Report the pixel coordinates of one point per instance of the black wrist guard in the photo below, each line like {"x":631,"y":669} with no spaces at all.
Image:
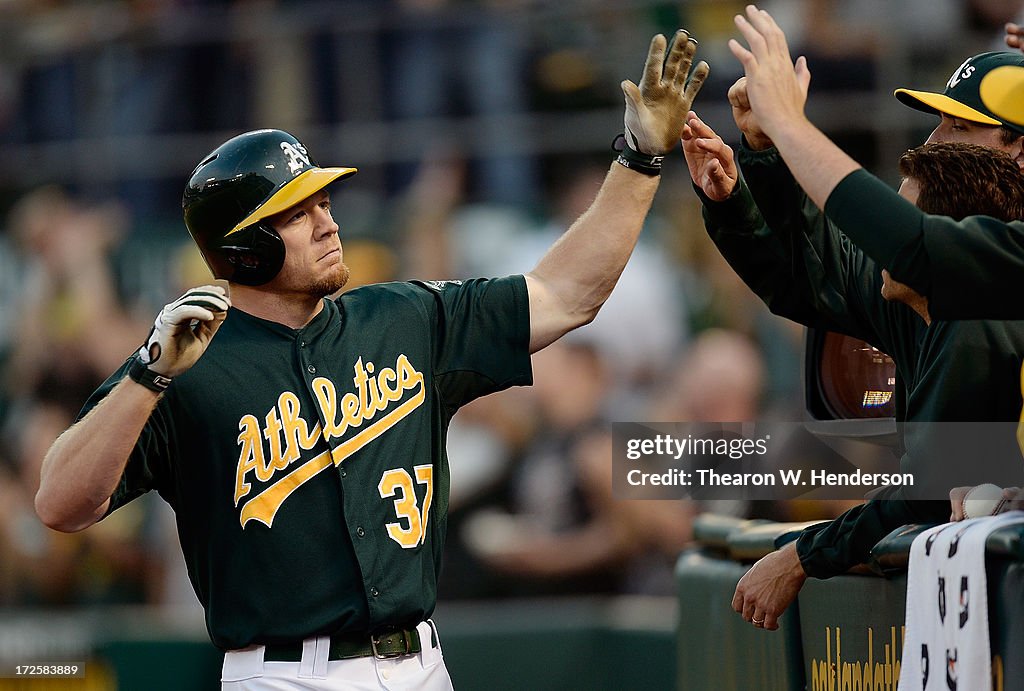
{"x":634,"y":160}
{"x":141,"y":374}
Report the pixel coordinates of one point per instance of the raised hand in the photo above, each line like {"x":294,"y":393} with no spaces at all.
{"x":183,"y":330}
{"x":1014,"y":36}
{"x":710,"y":160}
{"x":744,"y":117}
{"x":656,"y":110}
{"x":776,"y":87}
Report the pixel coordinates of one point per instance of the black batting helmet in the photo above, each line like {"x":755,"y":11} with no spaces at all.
{"x":235,"y":188}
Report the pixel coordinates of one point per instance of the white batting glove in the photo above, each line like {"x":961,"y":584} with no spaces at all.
{"x":183,"y":330}
{"x":656,"y":110}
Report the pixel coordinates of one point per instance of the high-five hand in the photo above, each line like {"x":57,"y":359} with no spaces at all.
{"x":776,"y":88}
{"x":656,"y":110}
{"x":710,"y":160}
{"x":745,"y":118}
{"x":1014,"y":36}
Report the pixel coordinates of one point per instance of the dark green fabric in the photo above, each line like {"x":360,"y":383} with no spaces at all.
{"x":325,"y":561}
{"x":805,"y":269}
{"x":969,"y":269}
{"x":868,"y":203}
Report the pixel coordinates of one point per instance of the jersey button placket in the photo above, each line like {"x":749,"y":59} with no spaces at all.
{"x":304,"y":355}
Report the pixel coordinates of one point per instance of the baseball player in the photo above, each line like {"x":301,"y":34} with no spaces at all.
{"x":806,"y":270}
{"x":301,"y":440}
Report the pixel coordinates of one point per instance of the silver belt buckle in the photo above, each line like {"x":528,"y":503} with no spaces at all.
{"x":406,"y":638}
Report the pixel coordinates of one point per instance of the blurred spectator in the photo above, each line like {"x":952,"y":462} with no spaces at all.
{"x":716,"y":298}
{"x":71,"y":328}
{"x":852,"y":28}
{"x":719,"y":379}
{"x":68,"y":328}
{"x":722,"y":378}
{"x":566,"y":532}
{"x":42,"y":567}
{"x":453,"y":58}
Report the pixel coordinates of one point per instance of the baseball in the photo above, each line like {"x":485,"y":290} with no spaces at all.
{"x":983,"y":500}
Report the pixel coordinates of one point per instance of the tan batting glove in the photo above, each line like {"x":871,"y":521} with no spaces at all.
{"x":656,"y":110}
{"x":183,"y":330}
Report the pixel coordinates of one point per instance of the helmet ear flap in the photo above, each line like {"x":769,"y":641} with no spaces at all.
{"x":255,"y":254}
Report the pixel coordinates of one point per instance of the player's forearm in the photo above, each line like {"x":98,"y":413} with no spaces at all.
{"x":575,"y":277}
{"x":815,"y":161}
{"x":765,"y":263}
{"x":83,"y":467}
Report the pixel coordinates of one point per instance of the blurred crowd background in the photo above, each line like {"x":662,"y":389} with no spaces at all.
{"x":481,"y":130}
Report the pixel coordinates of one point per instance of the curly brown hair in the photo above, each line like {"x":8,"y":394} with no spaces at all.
{"x":958,"y":180}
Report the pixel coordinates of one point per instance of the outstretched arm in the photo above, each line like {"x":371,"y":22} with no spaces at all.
{"x":757,"y":254}
{"x":83,"y":467}
{"x":782,"y":246}
{"x":934,"y":255}
{"x":777,"y":92}
{"x":572,"y":281}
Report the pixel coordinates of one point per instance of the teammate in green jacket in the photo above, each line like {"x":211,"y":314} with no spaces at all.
{"x":934,"y":255}
{"x":822,"y":280}
{"x":301,"y":440}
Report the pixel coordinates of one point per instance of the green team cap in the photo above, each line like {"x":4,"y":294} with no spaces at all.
{"x":962,"y":97}
{"x":1002,"y":90}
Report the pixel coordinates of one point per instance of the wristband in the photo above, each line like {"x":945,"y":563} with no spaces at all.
{"x":139,"y":373}
{"x":634,"y":160}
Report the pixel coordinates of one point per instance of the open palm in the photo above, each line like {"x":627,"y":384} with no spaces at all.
{"x":710,"y":160}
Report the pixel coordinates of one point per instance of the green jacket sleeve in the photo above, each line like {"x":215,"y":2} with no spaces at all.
{"x":797,"y":261}
{"x":830,"y":549}
{"x":759,"y":257}
{"x":935,"y":255}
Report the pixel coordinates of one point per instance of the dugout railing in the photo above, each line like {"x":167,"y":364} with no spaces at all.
{"x":842,"y":633}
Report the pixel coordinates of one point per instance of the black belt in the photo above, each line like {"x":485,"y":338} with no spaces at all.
{"x":348,"y":645}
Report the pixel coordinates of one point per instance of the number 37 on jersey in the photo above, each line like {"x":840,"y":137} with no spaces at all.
{"x":410,"y":530}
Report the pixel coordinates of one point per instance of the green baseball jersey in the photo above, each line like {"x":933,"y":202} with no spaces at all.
{"x":805,"y":269}
{"x":307,"y":467}
{"x":935,"y":255}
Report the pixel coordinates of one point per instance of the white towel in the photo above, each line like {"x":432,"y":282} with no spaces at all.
{"x":946,"y":644}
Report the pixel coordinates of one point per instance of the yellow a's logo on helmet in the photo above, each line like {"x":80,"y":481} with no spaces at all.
{"x":298,"y":158}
